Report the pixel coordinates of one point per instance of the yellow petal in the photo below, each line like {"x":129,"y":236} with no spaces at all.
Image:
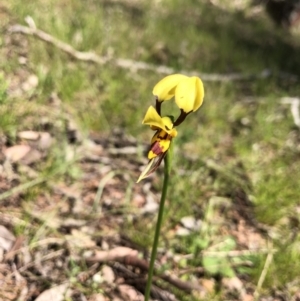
{"x":165,"y":89}
{"x":165,"y":144}
{"x":153,"y":119}
{"x":199,"y":94}
{"x":189,"y":94}
{"x":167,"y":122}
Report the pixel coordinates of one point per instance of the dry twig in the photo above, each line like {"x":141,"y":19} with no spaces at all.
{"x":49,"y":256}
{"x":264,"y":272}
{"x":127,"y":63}
{"x":144,"y":265}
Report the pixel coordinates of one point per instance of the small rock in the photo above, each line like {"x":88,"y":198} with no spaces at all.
{"x":97,"y":278}
{"x":234,"y":284}
{"x":31,"y":83}
{"x":22,"y":60}
{"x":146,"y":187}
{"x":138,"y":200}
{"x":181,"y":231}
{"x":108,"y":274}
{"x":191,"y":223}
{"x":151,"y":206}
{"x":45,"y":141}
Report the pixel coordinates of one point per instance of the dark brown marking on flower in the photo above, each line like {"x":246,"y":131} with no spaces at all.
{"x":156,"y":148}
{"x":158,"y":159}
{"x":162,"y":135}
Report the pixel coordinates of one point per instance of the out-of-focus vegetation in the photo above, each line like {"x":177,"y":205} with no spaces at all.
{"x":237,"y":160}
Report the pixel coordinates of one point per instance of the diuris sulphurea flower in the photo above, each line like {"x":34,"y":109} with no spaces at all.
{"x":188,"y":93}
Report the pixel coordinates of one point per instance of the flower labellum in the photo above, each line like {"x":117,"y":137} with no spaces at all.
{"x":156,"y":122}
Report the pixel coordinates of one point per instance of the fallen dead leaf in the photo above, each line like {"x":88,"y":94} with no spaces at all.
{"x":42,"y":140}
{"x":12,"y":285}
{"x":113,"y":254}
{"x":16,"y":246}
{"x":32,"y":156}
{"x":129,"y":293}
{"x":234,"y":284}
{"x":190,"y":223}
{"x":208,"y":284}
{"x":7,"y":239}
{"x":49,"y":216}
{"x":29,"y":135}
{"x":97,"y":297}
{"x":17,"y":152}
{"x":108,"y":274}
{"x":138,"y":200}
{"x":80,"y":239}
{"x":56,"y":293}
{"x":73,"y":223}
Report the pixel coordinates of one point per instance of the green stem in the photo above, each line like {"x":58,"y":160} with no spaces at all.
{"x":167,"y":169}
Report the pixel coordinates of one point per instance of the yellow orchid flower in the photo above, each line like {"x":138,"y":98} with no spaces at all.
{"x":189,"y":94}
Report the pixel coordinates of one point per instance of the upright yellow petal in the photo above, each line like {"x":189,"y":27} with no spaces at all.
{"x":165,"y":89}
{"x":189,"y":94}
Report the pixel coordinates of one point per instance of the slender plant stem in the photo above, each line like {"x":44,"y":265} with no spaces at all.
{"x":167,"y":169}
